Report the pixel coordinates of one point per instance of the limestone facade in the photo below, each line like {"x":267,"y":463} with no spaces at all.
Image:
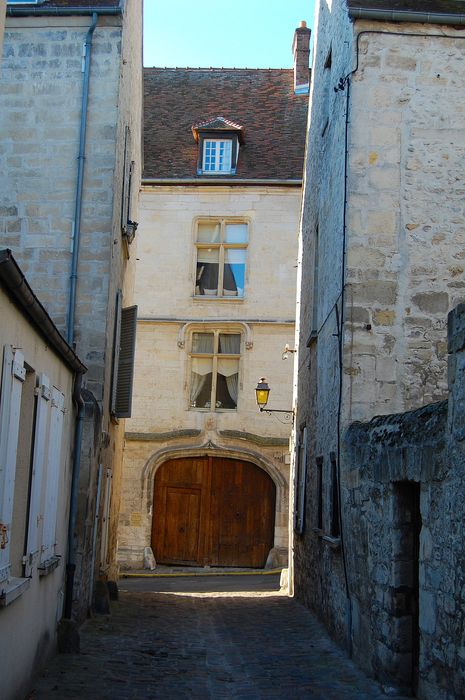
{"x":379,"y":267}
{"x":33,"y":519}
{"x":41,"y":93}
{"x":163,"y":424}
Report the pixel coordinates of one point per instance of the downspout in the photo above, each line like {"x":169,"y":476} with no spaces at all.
{"x":77,"y":396}
{"x":71,"y":558}
{"x":80,"y":180}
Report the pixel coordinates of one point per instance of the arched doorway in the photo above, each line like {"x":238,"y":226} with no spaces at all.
{"x":212,"y":511}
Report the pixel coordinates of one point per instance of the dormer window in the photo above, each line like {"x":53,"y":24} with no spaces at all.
{"x":217,"y":155}
{"x":218,"y":140}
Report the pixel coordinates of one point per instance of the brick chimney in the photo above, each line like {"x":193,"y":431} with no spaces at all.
{"x":301,"y":51}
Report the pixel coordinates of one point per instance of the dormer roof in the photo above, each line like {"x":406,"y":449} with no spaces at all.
{"x":219,"y":124}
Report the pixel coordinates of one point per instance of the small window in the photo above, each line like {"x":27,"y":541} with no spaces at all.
{"x":214,"y":378}
{"x":221,"y":258}
{"x":335,"y":525}
{"x":300,"y":480}
{"x":319,"y":493}
{"x":217,"y":155}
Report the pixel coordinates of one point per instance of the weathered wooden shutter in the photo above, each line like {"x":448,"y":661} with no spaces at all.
{"x":53,"y":475}
{"x":13,"y":376}
{"x":39,"y":457}
{"x":125,"y":366}
{"x":301,"y":479}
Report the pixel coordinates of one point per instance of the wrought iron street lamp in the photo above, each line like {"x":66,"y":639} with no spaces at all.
{"x":262,"y":393}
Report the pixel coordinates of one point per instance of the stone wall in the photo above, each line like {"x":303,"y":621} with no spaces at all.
{"x":385,"y":111}
{"x":406,"y":228}
{"x":40,"y":102}
{"x":318,"y":574}
{"x":387,"y":459}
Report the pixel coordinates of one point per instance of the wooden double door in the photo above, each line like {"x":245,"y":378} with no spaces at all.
{"x":212,"y":511}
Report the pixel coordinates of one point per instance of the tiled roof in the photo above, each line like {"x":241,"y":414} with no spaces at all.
{"x":434,"y":6}
{"x":262,"y":101}
{"x":58,"y":4}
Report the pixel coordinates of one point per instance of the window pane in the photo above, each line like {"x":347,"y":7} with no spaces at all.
{"x":207,"y":271}
{"x":236,"y":233}
{"x":230,"y":344}
{"x":202,"y":343}
{"x":227,"y":383}
{"x":234,"y":272}
{"x":201,"y":388}
{"x":208,"y":232}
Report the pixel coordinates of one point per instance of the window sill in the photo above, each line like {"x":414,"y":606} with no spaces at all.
{"x":333,"y":542}
{"x":209,"y":410}
{"x":207,"y":297}
{"x":48,"y":566}
{"x":12,"y":590}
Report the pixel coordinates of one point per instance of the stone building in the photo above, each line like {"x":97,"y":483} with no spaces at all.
{"x":206,"y":475}
{"x":381,"y":263}
{"x":39,"y":372}
{"x":70,"y":100}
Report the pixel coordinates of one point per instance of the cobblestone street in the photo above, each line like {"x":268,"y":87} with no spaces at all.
{"x":257,"y":645}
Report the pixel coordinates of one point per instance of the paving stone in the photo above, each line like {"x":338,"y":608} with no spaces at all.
{"x":248,"y":646}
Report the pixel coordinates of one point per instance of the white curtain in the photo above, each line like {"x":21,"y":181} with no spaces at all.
{"x":230,"y":344}
{"x":201,"y":366}
{"x":232,"y":382}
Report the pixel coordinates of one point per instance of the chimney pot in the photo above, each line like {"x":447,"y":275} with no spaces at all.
{"x":301,"y":51}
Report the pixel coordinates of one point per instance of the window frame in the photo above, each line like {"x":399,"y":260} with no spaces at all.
{"x":220,"y":135}
{"x":222,"y":247}
{"x":216,"y":332}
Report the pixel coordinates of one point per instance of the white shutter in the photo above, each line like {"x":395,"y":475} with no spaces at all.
{"x":39,"y":455}
{"x":53,"y":475}
{"x":13,"y":376}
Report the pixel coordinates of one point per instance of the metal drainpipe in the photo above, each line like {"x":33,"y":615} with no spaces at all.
{"x":77,"y":396}
{"x":80,"y":180}
{"x":71,"y":559}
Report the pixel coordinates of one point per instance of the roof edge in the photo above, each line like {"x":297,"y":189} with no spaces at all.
{"x":220,"y":181}
{"x":12,"y":11}
{"x":407,"y":16}
{"x":22,"y":295}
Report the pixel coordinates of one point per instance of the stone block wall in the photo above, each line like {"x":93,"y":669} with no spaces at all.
{"x":401,"y":222}
{"x":402,"y":591}
{"x":40,"y":102}
{"x":405,"y":222}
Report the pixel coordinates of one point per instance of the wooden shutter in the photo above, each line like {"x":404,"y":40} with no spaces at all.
{"x":53,"y":475}
{"x":125,"y":366}
{"x":13,"y":376}
{"x":301,"y":479}
{"x":36,"y":504}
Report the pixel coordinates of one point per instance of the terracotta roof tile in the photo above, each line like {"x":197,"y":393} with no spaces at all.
{"x":433,"y":6}
{"x":261,"y":100}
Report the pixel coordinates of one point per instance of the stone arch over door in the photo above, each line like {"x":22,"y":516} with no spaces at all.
{"x":212,"y":509}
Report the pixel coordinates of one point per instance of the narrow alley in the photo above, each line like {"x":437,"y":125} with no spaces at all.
{"x":225,"y":643}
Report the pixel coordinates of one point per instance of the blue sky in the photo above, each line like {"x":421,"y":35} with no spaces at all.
{"x":218,"y":33}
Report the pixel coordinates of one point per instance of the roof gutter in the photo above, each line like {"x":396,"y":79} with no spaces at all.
{"x":219,"y":181}
{"x":62,"y":11}
{"x":407,"y":16}
{"x":16,"y":284}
